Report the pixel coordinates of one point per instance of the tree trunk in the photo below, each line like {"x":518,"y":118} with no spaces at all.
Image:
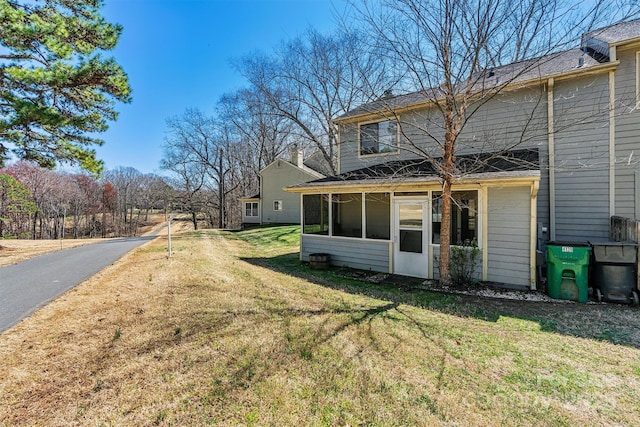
{"x":447,"y":172}
{"x":194,"y":219}
{"x":35,"y":222}
{"x":221,"y":193}
{"x":445,"y":234}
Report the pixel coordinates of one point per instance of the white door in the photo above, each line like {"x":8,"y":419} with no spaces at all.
{"x":410,"y":248}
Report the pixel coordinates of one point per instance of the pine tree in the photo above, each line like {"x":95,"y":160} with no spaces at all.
{"x":56,"y":88}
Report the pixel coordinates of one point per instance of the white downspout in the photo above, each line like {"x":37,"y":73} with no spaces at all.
{"x":533,"y":235}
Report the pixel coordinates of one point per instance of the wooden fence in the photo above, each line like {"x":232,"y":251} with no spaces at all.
{"x":624,"y":229}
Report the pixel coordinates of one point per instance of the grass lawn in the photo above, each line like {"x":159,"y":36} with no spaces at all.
{"x":233,"y":330}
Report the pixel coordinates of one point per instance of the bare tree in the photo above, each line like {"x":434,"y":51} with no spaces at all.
{"x":446,"y":51}
{"x":313,"y":79}
{"x":207,"y":144}
{"x":127,"y":182}
{"x":188,"y":178}
{"x":257,"y":124}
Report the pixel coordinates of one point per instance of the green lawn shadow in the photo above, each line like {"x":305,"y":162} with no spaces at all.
{"x":599,"y":322}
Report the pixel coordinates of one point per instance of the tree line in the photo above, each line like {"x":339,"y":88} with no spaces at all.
{"x":39,"y":203}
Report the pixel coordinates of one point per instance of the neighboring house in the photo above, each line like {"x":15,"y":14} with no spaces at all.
{"x":273,"y":205}
{"x":573,"y":125}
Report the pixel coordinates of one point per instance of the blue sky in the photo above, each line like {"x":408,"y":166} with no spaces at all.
{"x":177,"y":54}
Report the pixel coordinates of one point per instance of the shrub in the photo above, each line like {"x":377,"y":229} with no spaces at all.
{"x":464,"y":261}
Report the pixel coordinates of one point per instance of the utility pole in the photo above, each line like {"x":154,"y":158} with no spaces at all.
{"x":221,"y":192}
{"x":169,"y":233}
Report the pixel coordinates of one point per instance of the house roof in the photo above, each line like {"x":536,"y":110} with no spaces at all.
{"x":517,"y":72}
{"x":256,"y":197}
{"x":516,"y":163}
{"x":616,"y":33}
{"x":593,"y":53}
{"x":314,"y":173}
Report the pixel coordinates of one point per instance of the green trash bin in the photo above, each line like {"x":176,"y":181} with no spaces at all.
{"x":568,"y":270}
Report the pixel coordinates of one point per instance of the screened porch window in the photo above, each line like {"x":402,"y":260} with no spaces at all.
{"x":347,"y":215}
{"x":316,"y":214}
{"x":378,"y":213}
{"x":464,"y":217}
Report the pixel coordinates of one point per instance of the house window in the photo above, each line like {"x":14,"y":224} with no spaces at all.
{"x":379,"y":137}
{"x":315,"y":214}
{"x":378,"y":213}
{"x":277,"y":205}
{"x":464,"y":217}
{"x":251,"y":209}
{"x":347,"y":215}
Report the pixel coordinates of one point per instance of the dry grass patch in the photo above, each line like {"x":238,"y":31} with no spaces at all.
{"x":216,"y":335}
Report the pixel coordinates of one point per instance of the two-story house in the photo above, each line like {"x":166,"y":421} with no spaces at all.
{"x":552,"y":156}
{"x":273,"y":205}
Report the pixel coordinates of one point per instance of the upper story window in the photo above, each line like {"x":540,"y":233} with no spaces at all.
{"x":379,"y":137}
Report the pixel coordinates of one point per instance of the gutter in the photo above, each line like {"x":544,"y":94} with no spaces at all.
{"x":377,"y":186}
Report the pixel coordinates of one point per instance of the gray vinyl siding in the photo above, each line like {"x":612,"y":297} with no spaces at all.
{"x":521,"y":116}
{"x":275,"y":177}
{"x":355,"y":253}
{"x":627,"y":136}
{"x":514,"y":119}
{"x":582,"y":158}
{"x":508,"y":257}
{"x":517,"y":120}
{"x":511,"y":120}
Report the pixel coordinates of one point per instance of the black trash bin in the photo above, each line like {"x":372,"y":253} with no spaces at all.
{"x":614,"y":271}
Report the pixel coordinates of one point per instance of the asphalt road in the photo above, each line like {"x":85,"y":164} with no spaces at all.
{"x":31,"y":284}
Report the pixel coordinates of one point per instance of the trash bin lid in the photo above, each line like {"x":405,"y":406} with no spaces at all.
{"x":609,"y":252}
{"x":611,"y":243}
{"x":569,"y":243}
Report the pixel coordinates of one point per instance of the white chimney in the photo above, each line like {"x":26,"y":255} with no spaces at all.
{"x":297,"y":156}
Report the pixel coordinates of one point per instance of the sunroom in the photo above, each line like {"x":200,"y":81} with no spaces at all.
{"x":382,"y":220}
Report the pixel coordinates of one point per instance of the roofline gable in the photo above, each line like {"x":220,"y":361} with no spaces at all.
{"x":305,"y":169}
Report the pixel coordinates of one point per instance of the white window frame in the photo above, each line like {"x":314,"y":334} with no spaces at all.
{"x":255,"y":212}
{"x":277,"y":206}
